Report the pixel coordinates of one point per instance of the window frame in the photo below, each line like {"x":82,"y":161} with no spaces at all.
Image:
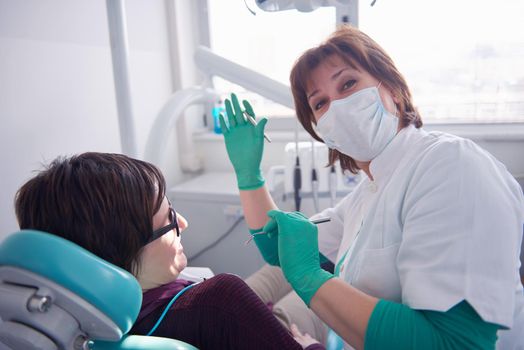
{"x":349,"y":14}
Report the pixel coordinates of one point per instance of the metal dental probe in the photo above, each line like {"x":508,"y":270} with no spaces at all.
{"x":253,"y":122}
{"x":316,"y":222}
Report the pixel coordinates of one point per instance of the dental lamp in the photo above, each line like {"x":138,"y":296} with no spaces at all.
{"x":300,"y":5}
{"x":346,"y":10}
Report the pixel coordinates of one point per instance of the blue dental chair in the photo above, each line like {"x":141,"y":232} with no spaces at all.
{"x":56,"y":295}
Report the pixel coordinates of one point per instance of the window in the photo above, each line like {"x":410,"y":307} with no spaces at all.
{"x":463,"y":60}
{"x":267,"y":42}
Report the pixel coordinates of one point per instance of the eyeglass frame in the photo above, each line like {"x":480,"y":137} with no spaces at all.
{"x":165,"y":229}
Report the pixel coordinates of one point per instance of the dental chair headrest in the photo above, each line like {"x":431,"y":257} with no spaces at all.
{"x":110,"y":289}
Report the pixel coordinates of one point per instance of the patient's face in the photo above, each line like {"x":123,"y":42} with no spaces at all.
{"x":163,"y":259}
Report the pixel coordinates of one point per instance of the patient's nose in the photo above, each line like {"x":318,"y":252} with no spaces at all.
{"x":182,"y":222}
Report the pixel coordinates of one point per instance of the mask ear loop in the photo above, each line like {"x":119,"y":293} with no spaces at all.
{"x":396,"y":108}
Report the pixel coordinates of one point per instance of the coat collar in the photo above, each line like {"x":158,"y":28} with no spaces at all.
{"x":384,"y":164}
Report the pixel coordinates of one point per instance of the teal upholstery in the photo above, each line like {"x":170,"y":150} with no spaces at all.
{"x":112,"y":290}
{"x":138,"y":342}
{"x":334,"y":341}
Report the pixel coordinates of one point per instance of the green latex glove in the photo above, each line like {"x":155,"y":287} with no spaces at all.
{"x":268,"y":243}
{"x":298,"y":253}
{"x":244,"y":144}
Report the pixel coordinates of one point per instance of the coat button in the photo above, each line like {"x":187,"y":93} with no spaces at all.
{"x":372,"y":187}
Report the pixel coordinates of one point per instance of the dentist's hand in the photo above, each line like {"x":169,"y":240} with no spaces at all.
{"x":298,"y":253}
{"x":244,"y":144}
{"x":268,"y":243}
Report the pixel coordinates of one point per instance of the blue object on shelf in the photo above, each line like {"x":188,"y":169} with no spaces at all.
{"x":217,"y":110}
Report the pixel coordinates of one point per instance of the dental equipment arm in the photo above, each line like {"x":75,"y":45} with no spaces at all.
{"x":215,"y":65}
{"x":165,"y":123}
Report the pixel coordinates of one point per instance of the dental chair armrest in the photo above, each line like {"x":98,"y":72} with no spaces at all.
{"x":140,"y":342}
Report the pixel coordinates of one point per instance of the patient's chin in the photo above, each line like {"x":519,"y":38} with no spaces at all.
{"x":180,"y":262}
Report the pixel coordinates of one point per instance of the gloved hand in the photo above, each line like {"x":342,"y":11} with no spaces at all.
{"x":244,"y":144}
{"x":298,"y":253}
{"x":268,"y":243}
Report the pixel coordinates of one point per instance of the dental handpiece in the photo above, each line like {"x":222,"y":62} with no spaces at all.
{"x":333,"y":185}
{"x":314,"y":178}
{"x":314,"y":188}
{"x":297,"y":183}
{"x":316,"y":222}
{"x":253,"y":122}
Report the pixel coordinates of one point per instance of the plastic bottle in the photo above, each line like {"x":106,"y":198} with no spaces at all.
{"x":217,"y":110}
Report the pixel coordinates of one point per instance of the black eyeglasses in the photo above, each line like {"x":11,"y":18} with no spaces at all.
{"x":173,"y":225}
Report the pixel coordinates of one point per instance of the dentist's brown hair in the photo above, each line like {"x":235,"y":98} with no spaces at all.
{"x":360,"y":52}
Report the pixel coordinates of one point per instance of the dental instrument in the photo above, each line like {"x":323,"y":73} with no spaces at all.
{"x":314,"y":177}
{"x":297,"y":175}
{"x":332,"y":185}
{"x":316,"y":222}
{"x":254,"y":123}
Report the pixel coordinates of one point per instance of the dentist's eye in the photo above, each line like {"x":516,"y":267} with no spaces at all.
{"x":349,"y":84}
{"x":318,"y":105}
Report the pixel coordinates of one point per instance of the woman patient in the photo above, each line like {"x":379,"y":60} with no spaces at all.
{"x":116,"y":207}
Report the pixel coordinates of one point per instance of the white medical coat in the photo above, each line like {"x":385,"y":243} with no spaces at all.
{"x":442,"y":222}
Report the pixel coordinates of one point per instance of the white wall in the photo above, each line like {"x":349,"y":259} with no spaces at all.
{"x":56,"y":84}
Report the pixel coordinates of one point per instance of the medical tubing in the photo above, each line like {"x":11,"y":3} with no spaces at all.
{"x":169,"y":306}
{"x":235,"y":224}
{"x":297,"y":183}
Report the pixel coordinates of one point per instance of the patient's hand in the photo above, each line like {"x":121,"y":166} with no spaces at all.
{"x":305,"y":339}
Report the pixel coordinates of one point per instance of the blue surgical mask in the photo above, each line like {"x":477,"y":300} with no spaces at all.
{"x":358,"y":125}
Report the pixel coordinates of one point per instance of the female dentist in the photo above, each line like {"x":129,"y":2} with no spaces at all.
{"x":426,"y":247}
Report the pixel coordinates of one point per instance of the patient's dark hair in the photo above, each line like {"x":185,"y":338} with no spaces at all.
{"x":100,"y":201}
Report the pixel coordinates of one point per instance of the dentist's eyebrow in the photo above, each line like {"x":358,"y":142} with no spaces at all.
{"x":333,"y":77}
{"x":337,"y":74}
